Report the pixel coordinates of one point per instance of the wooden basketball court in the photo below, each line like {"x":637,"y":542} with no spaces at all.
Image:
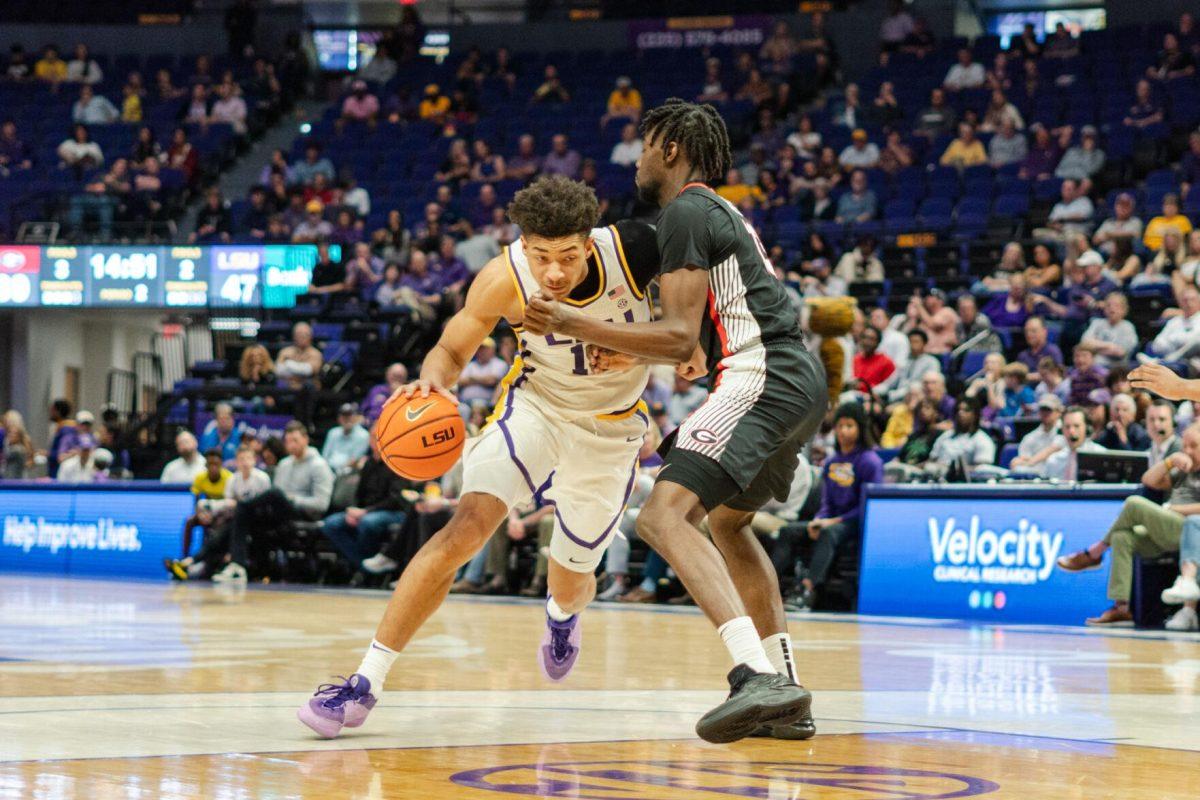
{"x":145,"y":690}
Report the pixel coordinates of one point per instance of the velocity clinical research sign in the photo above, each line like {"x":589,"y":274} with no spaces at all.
{"x":113,"y":529}
{"x":962,"y":554}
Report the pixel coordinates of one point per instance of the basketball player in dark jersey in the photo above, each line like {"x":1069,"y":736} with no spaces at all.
{"x":740,"y":448}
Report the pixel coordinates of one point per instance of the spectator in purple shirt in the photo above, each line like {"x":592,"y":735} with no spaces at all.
{"x":1145,"y":111}
{"x":65,"y":433}
{"x":933,"y":387}
{"x":420,"y":279}
{"x":1189,"y":165}
{"x":1012,"y":309}
{"x":14,"y":152}
{"x":420,"y":288}
{"x":1088,"y":296}
{"x":562,"y":160}
{"x":1037,"y":339}
{"x":451,"y":271}
{"x":1043,"y":156}
{"x":481,"y":211}
{"x":526,"y":164}
{"x":844,"y":479}
{"x":395,"y":377}
{"x":1080,"y":302}
{"x":1086,"y":377}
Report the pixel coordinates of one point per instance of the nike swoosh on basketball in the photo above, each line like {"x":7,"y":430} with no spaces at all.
{"x":415,"y":414}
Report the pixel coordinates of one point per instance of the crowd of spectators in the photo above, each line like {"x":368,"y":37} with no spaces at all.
{"x":1014,"y":369}
{"x":134,"y":147}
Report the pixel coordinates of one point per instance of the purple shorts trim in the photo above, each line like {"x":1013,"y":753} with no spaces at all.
{"x":593,"y":545}
{"x":508,"y":440}
{"x":539,"y":491}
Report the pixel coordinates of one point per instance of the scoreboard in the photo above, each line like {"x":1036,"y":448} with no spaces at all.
{"x":133,"y":276}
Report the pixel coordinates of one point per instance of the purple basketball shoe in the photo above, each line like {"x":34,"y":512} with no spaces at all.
{"x":336,"y":706}
{"x":560,"y":647}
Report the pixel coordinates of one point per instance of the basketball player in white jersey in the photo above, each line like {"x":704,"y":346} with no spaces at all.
{"x":567,"y":429}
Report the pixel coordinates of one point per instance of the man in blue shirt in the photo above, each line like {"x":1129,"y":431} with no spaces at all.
{"x":859,"y":204}
{"x":222,"y":433}
{"x":312,"y":165}
{"x":348,"y":442}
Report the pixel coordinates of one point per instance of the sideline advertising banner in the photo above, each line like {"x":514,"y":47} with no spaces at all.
{"x":974,"y":555}
{"x":108,"y":529}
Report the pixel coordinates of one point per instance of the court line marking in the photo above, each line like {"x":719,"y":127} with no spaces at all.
{"x":916,"y":728}
{"x":819,"y":617}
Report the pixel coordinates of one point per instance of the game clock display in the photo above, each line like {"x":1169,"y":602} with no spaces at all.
{"x":126,"y":277}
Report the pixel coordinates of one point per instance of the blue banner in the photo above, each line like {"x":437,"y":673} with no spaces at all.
{"x":115,"y":530}
{"x":965,"y":555}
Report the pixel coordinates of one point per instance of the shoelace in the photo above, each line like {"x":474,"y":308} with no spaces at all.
{"x":560,"y":643}
{"x":338,"y":693}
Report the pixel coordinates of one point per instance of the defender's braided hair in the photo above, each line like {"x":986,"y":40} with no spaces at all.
{"x":698,"y":130}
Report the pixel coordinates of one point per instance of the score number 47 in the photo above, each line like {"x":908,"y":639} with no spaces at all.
{"x":239,"y":289}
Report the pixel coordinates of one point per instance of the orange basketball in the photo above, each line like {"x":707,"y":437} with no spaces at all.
{"x":421,"y":438}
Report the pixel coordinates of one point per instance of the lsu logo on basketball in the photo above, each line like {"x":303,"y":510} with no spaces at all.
{"x":705,"y":436}
{"x":438,"y":437}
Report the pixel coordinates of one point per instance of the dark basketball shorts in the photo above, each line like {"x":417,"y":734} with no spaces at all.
{"x":741,"y":447}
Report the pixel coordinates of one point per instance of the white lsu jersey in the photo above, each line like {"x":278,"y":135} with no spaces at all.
{"x":556,"y":368}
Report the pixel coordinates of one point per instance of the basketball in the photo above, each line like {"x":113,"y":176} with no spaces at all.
{"x":420,"y":438}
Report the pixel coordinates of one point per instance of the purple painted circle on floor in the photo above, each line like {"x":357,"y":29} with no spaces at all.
{"x":627,"y":780}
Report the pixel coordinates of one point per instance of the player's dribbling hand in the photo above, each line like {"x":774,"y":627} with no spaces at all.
{"x":543,"y":315}
{"x":601,"y":360}
{"x":421,"y":388}
{"x":1159,"y":379}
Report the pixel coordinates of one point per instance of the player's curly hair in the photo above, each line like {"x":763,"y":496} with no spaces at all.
{"x":554,"y":206}
{"x":698,"y":130}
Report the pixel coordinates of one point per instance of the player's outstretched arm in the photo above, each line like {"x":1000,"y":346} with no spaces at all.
{"x":1164,"y":382}
{"x":490,"y":297}
{"x":683,"y":294}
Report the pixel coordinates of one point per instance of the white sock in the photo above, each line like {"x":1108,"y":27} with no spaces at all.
{"x":556,"y":613}
{"x":744,"y":645}
{"x":375,"y":665}
{"x":783,"y":658}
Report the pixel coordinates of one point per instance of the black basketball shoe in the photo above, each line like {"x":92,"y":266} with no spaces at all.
{"x":755,"y":699}
{"x":801,"y":729}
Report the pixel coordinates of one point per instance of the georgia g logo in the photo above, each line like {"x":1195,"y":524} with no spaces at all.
{"x":705,"y":436}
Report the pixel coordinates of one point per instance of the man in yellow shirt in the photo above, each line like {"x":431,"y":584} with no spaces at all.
{"x":1170,"y":218}
{"x":435,"y":106}
{"x":966,"y":150}
{"x":625,"y":102}
{"x":50,"y":67}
